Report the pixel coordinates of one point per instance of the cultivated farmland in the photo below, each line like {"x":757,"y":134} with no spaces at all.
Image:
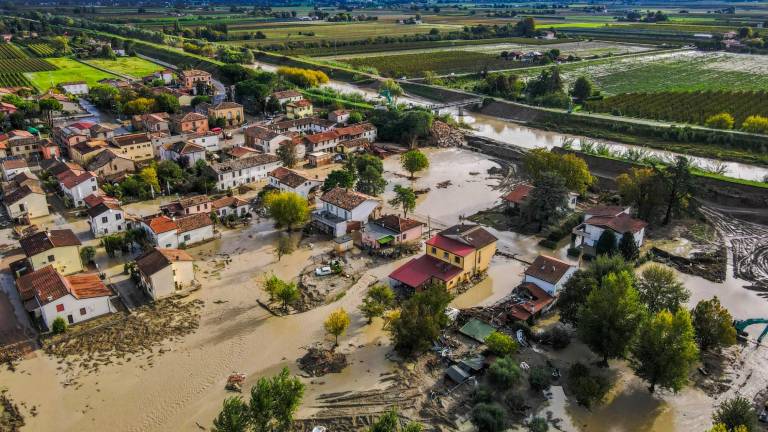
{"x":42,"y":49}
{"x":25,"y":65}
{"x":13,"y":80}
{"x":676,"y":71}
{"x":8,"y":51}
{"x":688,"y":107}
{"x":414,"y":65}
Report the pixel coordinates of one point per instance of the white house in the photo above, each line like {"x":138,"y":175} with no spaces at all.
{"x":164,"y":272}
{"x":549,"y":274}
{"x":263,"y":139}
{"x":186,"y":153}
{"x":339,"y":116}
{"x":360,"y":130}
{"x":161,"y":231}
{"x":238,"y":172}
{"x":78,"y":297}
{"x":339,"y":211}
{"x":323,"y":141}
{"x":208,"y":140}
{"x":194,"y":229}
{"x":106,"y":218}
{"x":74,"y":88}
{"x":303,"y":125}
{"x":284,"y":179}
{"x":614,"y":218}
{"x":228,"y":205}
{"x":78,"y":185}
{"x":26,"y":201}
{"x":12,"y":167}
{"x":284,"y":97}
{"x":173,"y":232}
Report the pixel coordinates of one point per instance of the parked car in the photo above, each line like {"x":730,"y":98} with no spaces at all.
{"x":323,"y":271}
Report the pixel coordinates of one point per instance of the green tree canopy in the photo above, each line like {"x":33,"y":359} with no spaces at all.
{"x":548,"y":200}
{"x":736,"y":412}
{"x":608,"y":321}
{"x":289,"y":209}
{"x":273,"y":403}
{"x":405,"y":197}
{"x":713,"y":324}
{"x":570,"y":167}
{"x":660,"y":289}
{"x":606,"y":243}
{"x":665,"y":350}
{"x":336,"y":324}
{"x":421,"y":319}
{"x":582,"y":88}
{"x":414,"y":161}
{"x":340,"y":178}
{"x":574,"y":295}
{"x":720,"y":121}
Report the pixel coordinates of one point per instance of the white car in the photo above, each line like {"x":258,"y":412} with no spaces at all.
{"x":323,"y":271}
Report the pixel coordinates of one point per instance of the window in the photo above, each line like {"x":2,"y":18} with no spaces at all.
{"x":59,"y":308}
{"x":457,"y":260}
{"x":434,"y":250}
{"x":118,"y":216}
{"x":445,"y":255}
{"x":104,"y":219}
{"x":93,"y":188}
{"x":187,"y":237}
{"x":51,"y":258}
{"x":82,"y":311}
{"x":21,"y":207}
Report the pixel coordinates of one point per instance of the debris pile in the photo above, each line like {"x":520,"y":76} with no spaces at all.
{"x":444,"y":184}
{"x":442,"y":134}
{"x":11,"y":419}
{"x":119,"y":336}
{"x":319,"y":361}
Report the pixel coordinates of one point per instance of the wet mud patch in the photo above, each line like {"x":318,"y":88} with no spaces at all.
{"x":11,"y":418}
{"x":119,"y":337}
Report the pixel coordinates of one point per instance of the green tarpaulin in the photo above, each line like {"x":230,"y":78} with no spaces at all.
{"x":385,"y":240}
{"x":477,"y":329}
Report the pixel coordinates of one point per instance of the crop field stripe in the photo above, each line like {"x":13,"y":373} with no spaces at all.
{"x":25,"y":65}
{"x":14,"y":79}
{"x":9,"y":52}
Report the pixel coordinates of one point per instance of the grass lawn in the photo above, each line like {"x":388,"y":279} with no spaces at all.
{"x":69,"y":70}
{"x":132,"y":66}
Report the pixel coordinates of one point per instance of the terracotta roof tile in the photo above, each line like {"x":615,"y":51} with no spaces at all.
{"x":193,"y":222}
{"x":156,"y":259}
{"x":548,"y":269}
{"x":519,"y":193}
{"x":345,"y":199}
{"x":396,"y":223}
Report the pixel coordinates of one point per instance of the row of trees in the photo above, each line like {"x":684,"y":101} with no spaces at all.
{"x":619,"y":315}
{"x":658,"y":192}
{"x":129,"y":101}
{"x":547,"y":89}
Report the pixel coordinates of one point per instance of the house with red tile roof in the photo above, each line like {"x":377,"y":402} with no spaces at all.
{"x":173,"y":232}
{"x":389,"y":230}
{"x":287,"y":180}
{"x":77,"y":185}
{"x":519,"y":195}
{"x":453,"y":256}
{"x":60,"y":248}
{"x":614,"y":218}
{"x":79,"y":297}
{"x":230,"y":205}
{"x":549,"y":274}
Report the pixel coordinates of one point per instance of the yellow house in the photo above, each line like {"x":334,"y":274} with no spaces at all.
{"x":84,"y":152}
{"x":136,"y":147}
{"x":299,"y":109}
{"x":452,"y":257}
{"x":60,"y":248}
{"x":231,"y":112}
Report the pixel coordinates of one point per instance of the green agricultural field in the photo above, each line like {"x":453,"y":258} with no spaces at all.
{"x":677,"y":71}
{"x":336,"y":31}
{"x":8,"y":51}
{"x":132,"y":66}
{"x":443,"y":62}
{"x":69,"y":70}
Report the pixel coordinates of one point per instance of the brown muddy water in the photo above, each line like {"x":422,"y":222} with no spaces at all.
{"x":629,"y":406}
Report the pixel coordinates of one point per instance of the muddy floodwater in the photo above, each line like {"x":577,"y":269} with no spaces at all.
{"x":629,"y":406}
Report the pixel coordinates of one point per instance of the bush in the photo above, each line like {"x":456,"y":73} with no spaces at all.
{"x":574,"y":252}
{"x":489,"y":417}
{"x":720,"y":121}
{"x":586,"y":388}
{"x":516,"y":402}
{"x":538,"y":424}
{"x":59,"y":326}
{"x":539,"y":379}
{"x":504,"y":372}
{"x":501,"y":344}
{"x":736,"y":412}
{"x":558,"y":337}
{"x":482,"y":395}
{"x":549,"y":244}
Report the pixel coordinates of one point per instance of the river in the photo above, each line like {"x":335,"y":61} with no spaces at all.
{"x":527,"y":137}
